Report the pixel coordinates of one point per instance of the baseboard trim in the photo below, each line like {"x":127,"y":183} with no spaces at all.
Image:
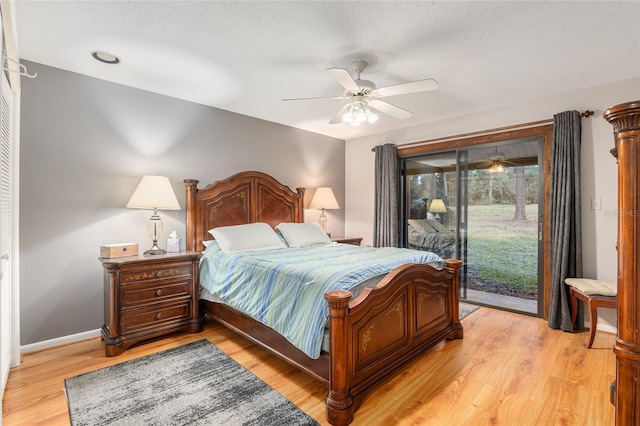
{"x":607,"y":328}
{"x":59,"y":341}
{"x":73,"y":338}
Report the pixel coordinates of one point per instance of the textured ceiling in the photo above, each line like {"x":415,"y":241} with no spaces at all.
{"x":247,"y":56}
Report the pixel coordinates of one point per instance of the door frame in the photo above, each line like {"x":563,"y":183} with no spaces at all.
{"x":544,"y":131}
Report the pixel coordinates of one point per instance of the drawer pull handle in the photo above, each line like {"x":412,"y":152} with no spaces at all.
{"x":158,"y":316}
{"x":158,"y":292}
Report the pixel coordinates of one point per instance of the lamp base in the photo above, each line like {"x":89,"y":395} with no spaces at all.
{"x":322,"y":220}
{"x":154,"y":228}
{"x":154,"y":252}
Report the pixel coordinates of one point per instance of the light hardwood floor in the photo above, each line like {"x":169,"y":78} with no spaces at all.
{"x":509,"y":369}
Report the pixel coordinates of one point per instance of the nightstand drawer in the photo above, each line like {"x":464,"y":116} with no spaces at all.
{"x":140,"y":319}
{"x":155,"y":273}
{"x":149,"y":292}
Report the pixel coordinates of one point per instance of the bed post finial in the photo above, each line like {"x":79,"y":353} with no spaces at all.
{"x":191,"y":186}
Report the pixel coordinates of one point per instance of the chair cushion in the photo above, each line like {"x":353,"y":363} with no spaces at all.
{"x":593,"y":287}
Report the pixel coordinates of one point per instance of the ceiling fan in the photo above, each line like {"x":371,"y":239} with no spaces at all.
{"x":365,"y":97}
{"x":495,"y":163}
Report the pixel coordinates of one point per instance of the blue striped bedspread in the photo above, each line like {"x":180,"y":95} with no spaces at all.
{"x":284,"y":288}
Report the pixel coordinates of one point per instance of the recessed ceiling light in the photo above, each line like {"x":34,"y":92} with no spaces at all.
{"x":106,"y":57}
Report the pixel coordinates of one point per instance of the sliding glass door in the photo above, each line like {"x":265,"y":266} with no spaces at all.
{"x":482,"y":205}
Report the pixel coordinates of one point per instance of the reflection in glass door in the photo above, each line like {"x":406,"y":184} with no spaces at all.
{"x":481,"y":205}
{"x":431,"y":204}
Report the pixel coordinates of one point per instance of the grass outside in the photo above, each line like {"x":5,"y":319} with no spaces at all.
{"x":502,"y":252}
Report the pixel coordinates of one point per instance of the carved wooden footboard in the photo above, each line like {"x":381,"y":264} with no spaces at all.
{"x":372,"y":336}
{"x":414,"y":308}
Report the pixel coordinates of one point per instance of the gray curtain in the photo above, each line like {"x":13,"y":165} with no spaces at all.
{"x":386,"y":197}
{"x":565,"y":220}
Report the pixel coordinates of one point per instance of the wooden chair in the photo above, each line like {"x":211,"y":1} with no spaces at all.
{"x":596,"y":294}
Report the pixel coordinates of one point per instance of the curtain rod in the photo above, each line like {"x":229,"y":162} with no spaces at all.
{"x":585,"y":114}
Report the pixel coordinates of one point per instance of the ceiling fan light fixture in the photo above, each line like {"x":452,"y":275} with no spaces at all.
{"x":358,"y":113}
{"x":496,"y":167}
{"x":347,"y":117}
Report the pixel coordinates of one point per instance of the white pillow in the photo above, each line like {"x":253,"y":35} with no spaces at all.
{"x":249,"y":237}
{"x":303,"y":234}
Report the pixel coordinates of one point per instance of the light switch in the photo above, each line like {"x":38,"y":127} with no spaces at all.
{"x":596,"y":204}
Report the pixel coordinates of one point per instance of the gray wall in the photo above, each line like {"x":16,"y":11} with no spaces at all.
{"x":85,"y":144}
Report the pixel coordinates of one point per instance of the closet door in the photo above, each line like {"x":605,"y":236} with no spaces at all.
{"x":6,"y":285}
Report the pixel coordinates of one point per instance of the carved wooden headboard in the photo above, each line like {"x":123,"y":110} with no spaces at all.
{"x":246,"y":197}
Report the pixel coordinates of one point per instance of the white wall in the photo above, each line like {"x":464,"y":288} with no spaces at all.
{"x":599,"y":170}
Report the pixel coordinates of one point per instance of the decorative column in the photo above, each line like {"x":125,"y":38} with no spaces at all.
{"x":625,"y":119}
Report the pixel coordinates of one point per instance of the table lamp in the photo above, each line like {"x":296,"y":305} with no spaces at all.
{"x":324,"y":199}
{"x":156,"y":193}
{"x":437,"y":206}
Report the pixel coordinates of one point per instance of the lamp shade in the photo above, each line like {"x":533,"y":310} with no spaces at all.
{"x":324,"y":199}
{"x":154,"y":192}
{"x":437,"y":206}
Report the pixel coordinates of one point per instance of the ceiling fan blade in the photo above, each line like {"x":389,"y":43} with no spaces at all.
{"x":343,"y":77}
{"x":320,"y":97}
{"x":338,"y":117}
{"x":413,"y":87}
{"x":392,"y":110}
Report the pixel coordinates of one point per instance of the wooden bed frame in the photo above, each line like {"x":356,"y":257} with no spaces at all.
{"x":372,"y":336}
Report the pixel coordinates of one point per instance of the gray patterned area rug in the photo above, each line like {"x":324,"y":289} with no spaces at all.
{"x":466,"y":309}
{"x":193,"y":384}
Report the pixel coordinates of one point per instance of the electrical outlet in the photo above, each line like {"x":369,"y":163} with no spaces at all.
{"x":596,"y":204}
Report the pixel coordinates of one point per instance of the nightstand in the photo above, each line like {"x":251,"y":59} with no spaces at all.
{"x":149,"y":296}
{"x":347,"y":240}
